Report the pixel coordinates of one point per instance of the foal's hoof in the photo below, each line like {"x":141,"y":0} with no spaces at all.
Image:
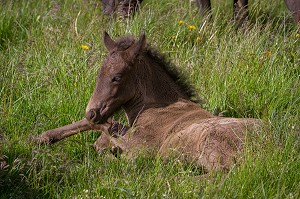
{"x":41,"y":140}
{"x":116,"y":151}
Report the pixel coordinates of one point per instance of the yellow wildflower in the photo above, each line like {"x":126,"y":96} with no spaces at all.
{"x":173,"y":37}
{"x":297,"y":35}
{"x":191,"y":27}
{"x":268,"y":54}
{"x":84,"y":47}
{"x":180,"y":22}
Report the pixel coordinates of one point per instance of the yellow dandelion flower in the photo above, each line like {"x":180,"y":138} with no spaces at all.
{"x":173,"y":37}
{"x":191,"y":27}
{"x":84,"y":47}
{"x":297,"y":35}
{"x":268,"y":54}
{"x":180,"y":22}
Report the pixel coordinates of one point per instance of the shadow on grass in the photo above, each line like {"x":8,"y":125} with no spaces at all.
{"x":14,"y":171}
{"x":15,"y":185}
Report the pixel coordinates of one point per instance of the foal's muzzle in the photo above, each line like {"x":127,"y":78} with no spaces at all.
{"x":94,"y":116}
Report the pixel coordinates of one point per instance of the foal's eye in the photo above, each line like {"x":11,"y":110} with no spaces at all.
{"x":116,"y":79}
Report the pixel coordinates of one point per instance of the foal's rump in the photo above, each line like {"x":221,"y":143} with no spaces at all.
{"x":211,"y":143}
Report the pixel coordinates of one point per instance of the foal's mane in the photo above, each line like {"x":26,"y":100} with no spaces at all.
{"x":181,"y":80}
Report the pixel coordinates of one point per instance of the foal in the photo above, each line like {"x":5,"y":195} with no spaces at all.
{"x":161,"y":115}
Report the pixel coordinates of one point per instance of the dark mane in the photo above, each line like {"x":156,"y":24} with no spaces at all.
{"x":181,"y":79}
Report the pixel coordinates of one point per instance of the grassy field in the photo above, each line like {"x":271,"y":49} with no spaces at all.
{"x":46,"y":79}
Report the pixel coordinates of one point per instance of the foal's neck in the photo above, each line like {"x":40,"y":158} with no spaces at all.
{"x":155,"y":88}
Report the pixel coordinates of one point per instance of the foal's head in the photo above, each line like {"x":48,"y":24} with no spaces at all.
{"x":116,"y":80}
{"x":136,"y":77}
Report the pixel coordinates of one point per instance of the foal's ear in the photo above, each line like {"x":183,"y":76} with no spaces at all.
{"x":133,"y":51}
{"x":108,"y":42}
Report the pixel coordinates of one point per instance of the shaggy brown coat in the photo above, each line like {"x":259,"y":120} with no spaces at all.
{"x":159,"y":109}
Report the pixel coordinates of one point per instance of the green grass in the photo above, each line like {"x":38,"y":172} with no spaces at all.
{"x":47,"y":79}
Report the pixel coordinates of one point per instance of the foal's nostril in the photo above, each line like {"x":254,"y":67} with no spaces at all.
{"x":94,"y":116}
{"x":91,"y":115}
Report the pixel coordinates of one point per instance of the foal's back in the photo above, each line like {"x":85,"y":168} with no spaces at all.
{"x":193,"y":134}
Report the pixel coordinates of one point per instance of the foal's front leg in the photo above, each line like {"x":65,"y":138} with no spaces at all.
{"x":55,"y":135}
{"x":112,"y":139}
